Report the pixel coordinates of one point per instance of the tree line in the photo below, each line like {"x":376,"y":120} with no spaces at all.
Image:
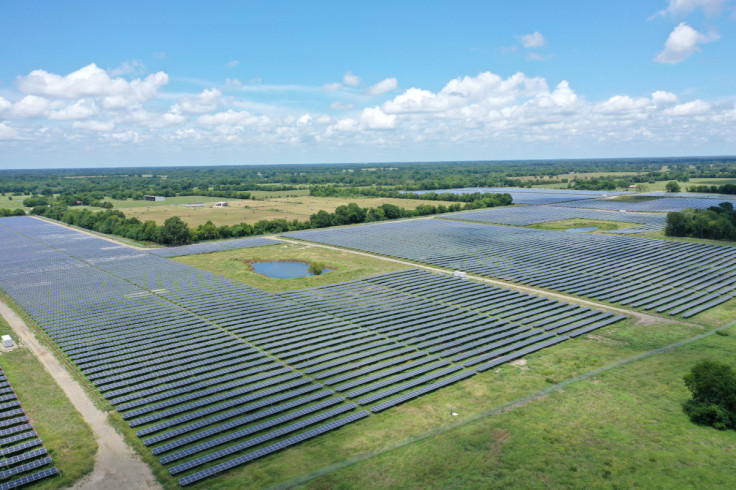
{"x":175,"y":231}
{"x":716,"y":223}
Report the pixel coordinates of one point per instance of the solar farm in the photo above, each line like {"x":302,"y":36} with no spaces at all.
{"x":213,"y":374}
{"x":531,"y":196}
{"x":666,"y":276}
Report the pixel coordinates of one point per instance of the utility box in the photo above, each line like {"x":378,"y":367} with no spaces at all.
{"x":460,"y":274}
{"x":7,"y":342}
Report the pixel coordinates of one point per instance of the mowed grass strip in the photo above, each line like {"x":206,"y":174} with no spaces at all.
{"x":602,"y":225}
{"x":67,"y":437}
{"x":235,"y":264}
{"x":622,"y":429}
{"x":252,"y":211}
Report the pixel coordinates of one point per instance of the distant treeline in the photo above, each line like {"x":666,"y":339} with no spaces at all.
{"x":715,"y":189}
{"x":174,"y":231}
{"x":716,"y":222}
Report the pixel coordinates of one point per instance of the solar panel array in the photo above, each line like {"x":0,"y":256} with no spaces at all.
{"x":23,"y":459}
{"x":655,"y":205}
{"x":666,"y":276}
{"x":530,"y":215}
{"x":212,"y":373}
{"x":529,"y":196}
{"x":219,"y":246}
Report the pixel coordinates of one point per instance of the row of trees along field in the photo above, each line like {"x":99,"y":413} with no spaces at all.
{"x":228,"y":181}
{"x":175,"y":231}
{"x":716,"y":222}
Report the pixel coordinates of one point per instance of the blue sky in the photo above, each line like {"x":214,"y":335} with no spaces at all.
{"x":194,"y":83}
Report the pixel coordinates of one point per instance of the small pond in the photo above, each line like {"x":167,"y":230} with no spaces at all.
{"x":583,"y":229}
{"x":284,"y":269}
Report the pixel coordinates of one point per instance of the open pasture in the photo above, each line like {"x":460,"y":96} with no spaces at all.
{"x":664,"y":276}
{"x":531,"y":215}
{"x":213,"y":374}
{"x":252,"y":211}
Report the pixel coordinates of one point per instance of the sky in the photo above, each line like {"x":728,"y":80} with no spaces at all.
{"x":107,"y":84}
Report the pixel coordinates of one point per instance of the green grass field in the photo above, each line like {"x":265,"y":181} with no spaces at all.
{"x":69,"y":440}
{"x":603,"y":225}
{"x":234,"y":264}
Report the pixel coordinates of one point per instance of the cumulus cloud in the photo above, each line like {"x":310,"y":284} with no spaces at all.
{"x":233,"y":118}
{"x":533,"y":40}
{"x":682,"y":43}
{"x":81,"y":109}
{"x":693,"y":108}
{"x":232,"y":64}
{"x":383,"y":86}
{"x":351,"y":80}
{"x":375,"y":118}
{"x":5,"y":103}
{"x":199,"y":104}
{"x":92,"y":81}
{"x":30,"y":106}
{"x":660,"y":97}
{"x":93,"y":125}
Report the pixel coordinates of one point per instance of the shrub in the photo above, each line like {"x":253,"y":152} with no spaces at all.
{"x":316,"y":268}
{"x":713,"y":386}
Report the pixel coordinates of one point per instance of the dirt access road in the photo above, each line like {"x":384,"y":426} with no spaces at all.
{"x":116,"y":465}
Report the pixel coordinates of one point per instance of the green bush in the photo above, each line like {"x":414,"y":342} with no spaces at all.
{"x":316,"y":268}
{"x":713,"y":386}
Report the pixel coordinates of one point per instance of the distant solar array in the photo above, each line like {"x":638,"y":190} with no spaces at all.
{"x":654,"y":205}
{"x":213,"y":374}
{"x":530,"y":196}
{"x":668,"y":276}
{"x":23,"y":459}
{"x":201,"y":248}
{"x":530,"y":215}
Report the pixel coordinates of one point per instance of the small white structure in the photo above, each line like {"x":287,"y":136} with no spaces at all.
{"x":8,"y":342}
{"x":154,"y":198}
{"x":195,"y":205}
{"x":460,"y":274}
{"x":221,"y":204}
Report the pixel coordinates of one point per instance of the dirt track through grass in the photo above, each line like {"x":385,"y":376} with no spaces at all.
{"x":116,"y":465}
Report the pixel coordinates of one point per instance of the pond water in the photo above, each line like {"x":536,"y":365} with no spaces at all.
{"x":583,"y":229}
{"x":284,"y":269}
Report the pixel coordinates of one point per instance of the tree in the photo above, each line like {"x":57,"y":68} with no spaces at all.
{"x":175,"y":232}
{"x":713,"y":386}
{"x":672,"y":186}
{"x":642,"y":187}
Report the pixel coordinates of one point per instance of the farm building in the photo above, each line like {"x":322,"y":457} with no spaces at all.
{"x":154,"y":198}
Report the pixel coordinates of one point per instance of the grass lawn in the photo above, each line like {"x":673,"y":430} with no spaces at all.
{"x":234,"y":264}
{"x":603,"y":225}
{"x":67,"y":437}
{"x":251,"y":211}
{"x":622,"y":429}
{"x":15,"y":203}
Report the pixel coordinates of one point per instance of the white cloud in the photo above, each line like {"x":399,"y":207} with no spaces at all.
{"x":693,"y":108}
{"x":347,"y":124}
{"x":383,"y":86}
{"x":7,"y":132}
{"x":125,"y":137}
{"x":5,"y":103}
{"x":351,"y":80}
{"x":304,"y":120}
{"x":232,"y":64}
{"x":682,"y":8}
{"x":661,"y":97}
{"x":81,"y":109}
{"x":533,"y":40}
{"x":92,"y":81}
{"x":101,"y":126}
{"x":621,"y":104}
{"x":375,"y":118}
{"x":341,"y":106}
{"x":201,"y":103}
{"x":332,"y":87}
{"x":682,"y":43}
{"x":233,"y":118}
{"x":30,"y":106}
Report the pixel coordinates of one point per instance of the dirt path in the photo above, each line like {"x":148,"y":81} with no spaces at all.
{"x":116,"y":465}
{"x":641,"y":318}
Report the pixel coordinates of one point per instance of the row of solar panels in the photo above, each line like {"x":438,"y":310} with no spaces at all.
{"x":23,"y":459}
